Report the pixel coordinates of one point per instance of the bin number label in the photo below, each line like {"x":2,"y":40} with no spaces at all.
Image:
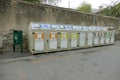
{"x":39,"y":36}
{"x":63,"y":35}
{"x":53,"y":35}
{"x":74,"y":36}
{"x":53,"y":40}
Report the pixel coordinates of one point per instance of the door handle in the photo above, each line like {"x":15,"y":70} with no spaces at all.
{"x":70,"y":40}
{"x":47,"y":41}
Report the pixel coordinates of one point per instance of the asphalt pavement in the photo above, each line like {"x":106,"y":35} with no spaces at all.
{"x":100,"y":63}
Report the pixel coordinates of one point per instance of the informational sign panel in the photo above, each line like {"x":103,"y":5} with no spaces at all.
{"x":39,"y":41}
{"x":96,"y":38}
{"x":82,"y":39}
{"x":102,"y":39}
{"x":64,"y":37}
{"x":90,"y":39}
{"x":53,"y":40}
{"x":74,"y":40}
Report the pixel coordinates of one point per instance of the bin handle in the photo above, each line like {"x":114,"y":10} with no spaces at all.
{"x":47,"y":41}
{"x":70,"y":40}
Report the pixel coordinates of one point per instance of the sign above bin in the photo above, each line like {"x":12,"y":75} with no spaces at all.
{"x":40,"y":26}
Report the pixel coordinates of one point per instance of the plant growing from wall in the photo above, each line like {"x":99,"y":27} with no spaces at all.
{"x":85,"y":7}
{"x":112,"y":11}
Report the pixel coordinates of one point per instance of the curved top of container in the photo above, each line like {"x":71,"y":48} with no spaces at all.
{"x":54,"y":26}
{"x":45,"y":26}
{"x":35,"y":25}
{"x":85,"y":28}
{"x":68,"y":27}
{"x":40,"y":26}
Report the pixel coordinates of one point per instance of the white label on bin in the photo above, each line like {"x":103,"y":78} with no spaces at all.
{"x":82,"y":39}
{"x":39,"y":41}
{"x":90,"y":39}
{"x":63,"y":40}
{"x":74,"y":40}
{"x":53,"y":40}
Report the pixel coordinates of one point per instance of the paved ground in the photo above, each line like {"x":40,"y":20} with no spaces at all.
{"x":101,"y":63}
{"x":11,"y":55}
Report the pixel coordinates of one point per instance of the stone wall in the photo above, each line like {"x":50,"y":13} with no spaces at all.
{"x":16,"y":15}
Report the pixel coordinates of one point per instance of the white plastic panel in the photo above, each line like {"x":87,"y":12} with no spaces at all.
{"x":53,"y":40}
{"x":102,"y":39}
{"x":82,"y":39}
{"x":96,"y":39}
{"x":74,"y":40}
{"x":90,"y":39}
{"x":107,"y":41}
{"x":63,"y":41}
{"x":39,"y":41}
{"x":112,"y":37}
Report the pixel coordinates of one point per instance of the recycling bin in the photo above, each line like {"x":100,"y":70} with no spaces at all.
{"x":36,"y":38}
{"x":90,"y":38}
{"x":63,"y":40}
{"x":64,"y":37}
{"x":82,"y":38}
{"x":73,"y":38}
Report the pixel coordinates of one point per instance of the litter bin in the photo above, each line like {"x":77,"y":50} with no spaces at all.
{"x":17,"y":39}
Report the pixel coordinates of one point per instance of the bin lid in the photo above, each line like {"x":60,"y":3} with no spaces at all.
{"x":54,"y":26}
{"x":90,"y":28}
{"x":85,"y":28}
{"x":68,"y":27}
{"x":98,"y":28}
{"x":62,"y":27}
{"x":80,"y":27}
{"x":75,"y":27}
{"x":45,"y":26}
{"x":35,"y":25}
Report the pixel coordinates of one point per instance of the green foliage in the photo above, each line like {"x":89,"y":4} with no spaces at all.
{"x":85,"y":7}
{"x":112,"y":11}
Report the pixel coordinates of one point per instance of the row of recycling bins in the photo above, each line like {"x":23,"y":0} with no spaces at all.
{"x":49,"y":38}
